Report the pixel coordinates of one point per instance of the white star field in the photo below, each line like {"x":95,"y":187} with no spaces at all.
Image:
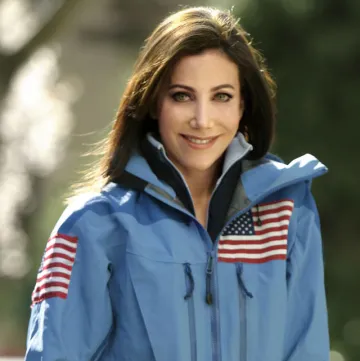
{"x":242,"y":225}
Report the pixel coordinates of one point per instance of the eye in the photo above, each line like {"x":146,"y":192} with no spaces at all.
{"x":180,"y":97}
{"x":223,"y":97}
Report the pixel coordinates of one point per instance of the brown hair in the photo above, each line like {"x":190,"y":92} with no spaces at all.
{"x":188,"y":31}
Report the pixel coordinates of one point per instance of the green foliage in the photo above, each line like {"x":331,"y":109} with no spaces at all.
{"x":313,"y":51}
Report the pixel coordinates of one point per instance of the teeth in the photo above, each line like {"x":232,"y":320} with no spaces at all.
{"x":199,"y":141}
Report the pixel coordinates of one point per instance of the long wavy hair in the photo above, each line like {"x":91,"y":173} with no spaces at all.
{"x":187,"y":32}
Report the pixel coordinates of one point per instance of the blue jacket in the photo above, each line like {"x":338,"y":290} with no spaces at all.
{"x":130,"y":274}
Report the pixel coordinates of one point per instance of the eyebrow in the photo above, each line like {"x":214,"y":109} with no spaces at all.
{"x":221,"y":86}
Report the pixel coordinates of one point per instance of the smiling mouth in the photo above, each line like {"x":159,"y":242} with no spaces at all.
{"x":197,"y":140}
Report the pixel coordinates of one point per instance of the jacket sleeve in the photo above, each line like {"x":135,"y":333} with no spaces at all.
{"x":307,"y":336}
{"x":71,"y":314}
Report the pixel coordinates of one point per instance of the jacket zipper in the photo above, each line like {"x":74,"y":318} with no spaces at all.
{"x":212,"y":300}
{"x":216,"y":317}
{"x":215,"y":320}
{"x":189,"y":298}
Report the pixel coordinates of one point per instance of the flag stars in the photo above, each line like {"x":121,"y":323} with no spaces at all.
{"x":242,"y":225}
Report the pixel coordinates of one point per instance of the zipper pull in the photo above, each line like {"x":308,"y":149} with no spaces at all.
{"x":191,"y":287}
{"x":258,"y":222}
{"x":239,"y":270}
{"x":209,"y":271}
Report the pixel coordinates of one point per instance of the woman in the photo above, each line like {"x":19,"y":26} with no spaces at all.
{"x":198,"y":245}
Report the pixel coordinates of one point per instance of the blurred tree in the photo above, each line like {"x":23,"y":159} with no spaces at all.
{"x":25,"y":25}
{"x":126,"y":24}
{"x":33,"y":120}
{"x":313,"y":49}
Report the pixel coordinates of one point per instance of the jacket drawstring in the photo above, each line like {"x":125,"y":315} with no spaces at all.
{"x":191,"y":286}
{"x":258,"y":222}
{"x":209,"y":270}
{"x":239,"y":269}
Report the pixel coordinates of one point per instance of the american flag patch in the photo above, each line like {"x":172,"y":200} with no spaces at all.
{"x":54,"y":274}
{"x":258,"y":236}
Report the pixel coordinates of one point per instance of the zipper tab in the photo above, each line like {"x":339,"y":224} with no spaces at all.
{"x":239,"y":270}
{"x":191,"y":286}
{"x":209,"y":271}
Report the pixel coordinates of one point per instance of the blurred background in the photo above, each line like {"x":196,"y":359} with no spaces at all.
{"x":63,"y":66}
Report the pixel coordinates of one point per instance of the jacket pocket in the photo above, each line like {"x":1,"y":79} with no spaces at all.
{"x":168,"y":319}
{"x":190,"y":284}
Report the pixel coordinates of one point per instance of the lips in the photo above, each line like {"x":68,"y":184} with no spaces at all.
{"x":199,"y":143}
{"x":198,"y":140}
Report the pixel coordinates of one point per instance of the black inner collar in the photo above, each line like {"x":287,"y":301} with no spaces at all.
{"x":220,"y":202}
{"x":165,"y":172}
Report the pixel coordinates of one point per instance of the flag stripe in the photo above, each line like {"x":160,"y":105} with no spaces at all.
{"x":61,"y":242}
{"x":52,"y":270}
{"x":53,"y":278}
{"x":266,"y":223}
{"x":252,"y":246}
{"x":47,"y":295}
{"x":251,"y":251}
{"x":280,"y":210}
{"x":48,"y":284}
{"x":282,"y":230}
{"x":59,"y":255}
{"x":235,"y":241}
{"x":55,"y":271}
{"x":57,"y":264}
{"x":62,"y":236}
{"x":51,"y":274}
{"x":59,"y":260}
{"x":276,"y":205}
{"x":248,"y":260}
{"x":270,"y":215}
{"x":65,"y":247}
{"x":253,"y":255}
{"x":51,"y":289}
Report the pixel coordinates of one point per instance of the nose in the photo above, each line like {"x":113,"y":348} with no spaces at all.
{"x":203,"y":117}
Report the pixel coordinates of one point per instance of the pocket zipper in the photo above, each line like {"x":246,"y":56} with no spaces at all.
{"x":190,"y":285}
{"x":243,"y":295}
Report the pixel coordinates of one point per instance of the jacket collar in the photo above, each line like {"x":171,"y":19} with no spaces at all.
{"x":258,"y":178}
{"x":139,"y":167}
{"x":274,"y":174}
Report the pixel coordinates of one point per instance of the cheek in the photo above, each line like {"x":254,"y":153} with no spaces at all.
{"x":230,"y":117}
{"x":164,"y":116}
{"x":167,"y":120}
{"x":170,"y":115}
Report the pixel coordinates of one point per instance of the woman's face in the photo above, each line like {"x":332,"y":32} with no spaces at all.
{"x":199,"y":112}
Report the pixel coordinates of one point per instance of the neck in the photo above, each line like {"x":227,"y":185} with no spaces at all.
{"x":202,"y":183}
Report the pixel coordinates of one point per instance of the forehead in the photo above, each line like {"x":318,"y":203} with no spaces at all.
{"x":209,"y":68}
